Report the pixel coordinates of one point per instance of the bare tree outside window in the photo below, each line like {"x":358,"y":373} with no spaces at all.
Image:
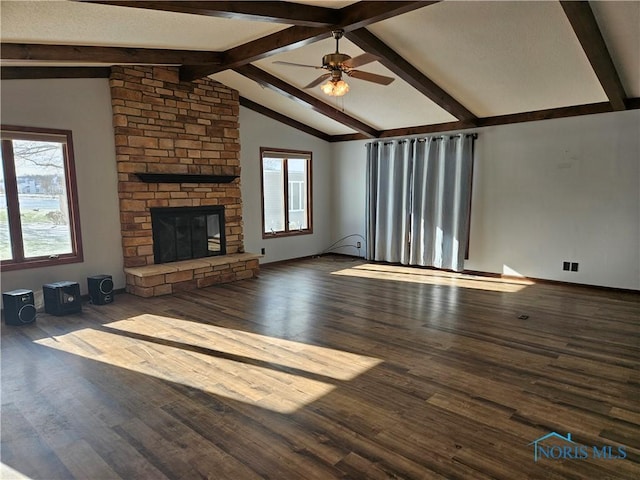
{"x":37,"y":218}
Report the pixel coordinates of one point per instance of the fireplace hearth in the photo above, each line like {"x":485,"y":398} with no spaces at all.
{"x":185,"y":233}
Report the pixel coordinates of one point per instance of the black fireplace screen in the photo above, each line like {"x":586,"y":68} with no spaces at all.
{"x":185,"y":233}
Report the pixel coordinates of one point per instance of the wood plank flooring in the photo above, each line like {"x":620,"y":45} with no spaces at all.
{"x":328,"y":368}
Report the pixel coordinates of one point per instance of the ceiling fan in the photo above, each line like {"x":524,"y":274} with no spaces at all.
{"x":338,"y":63}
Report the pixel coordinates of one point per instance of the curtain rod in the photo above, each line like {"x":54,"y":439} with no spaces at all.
{"x":474,"y":136}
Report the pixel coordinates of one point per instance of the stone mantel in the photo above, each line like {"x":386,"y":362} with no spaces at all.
{"x":184,"y":178}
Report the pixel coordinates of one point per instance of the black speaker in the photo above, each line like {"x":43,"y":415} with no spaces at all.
{"x":19,"y":308}
{"x":100,"y":289}
{"x":62,"y":298}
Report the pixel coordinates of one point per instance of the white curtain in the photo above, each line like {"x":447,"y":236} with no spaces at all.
{"x":418,"y":200}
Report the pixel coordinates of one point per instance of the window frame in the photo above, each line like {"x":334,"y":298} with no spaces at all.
{"x":283,"y":154}
{"x":8,"y":133}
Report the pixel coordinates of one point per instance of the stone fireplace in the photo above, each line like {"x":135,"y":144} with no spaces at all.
{"x":177,"y":147}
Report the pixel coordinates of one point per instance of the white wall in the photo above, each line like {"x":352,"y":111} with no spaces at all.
{"x":257,"y":131}
{"x":544,"y":192}
{"x":349,"y":195}
{"x":84,"y":107}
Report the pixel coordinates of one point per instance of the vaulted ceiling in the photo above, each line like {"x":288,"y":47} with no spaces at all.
{"x":455,"y":64}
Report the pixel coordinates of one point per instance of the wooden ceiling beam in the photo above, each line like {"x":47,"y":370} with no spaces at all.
{"x":357,"y":15}
{"x":274,"y":83}
{"x":364,"y":13}
{"x":111,"y":55}
{"x":547,"y":114}
{"x":275,"y":12}
{"x":537,"y":115}
{"x":267,"y":112}
{"x":282,"y":41}
{"x":368,"y":42}
{"x":586,"y":28}
{"x":31,"y":73}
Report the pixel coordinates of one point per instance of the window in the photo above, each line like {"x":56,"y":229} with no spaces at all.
{"x":286,"y":192}
{"x":39,"y":220}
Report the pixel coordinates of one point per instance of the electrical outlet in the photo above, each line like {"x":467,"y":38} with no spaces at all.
{"x":566,"y":266}
{"x":574,"y":267}
{"x":263,"y":251}
{"x":358,"y":244}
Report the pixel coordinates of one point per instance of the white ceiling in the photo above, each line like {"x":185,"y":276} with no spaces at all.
{"x":270,"y":99}
{"x":495,"y":58}
{"x":75,"y":23}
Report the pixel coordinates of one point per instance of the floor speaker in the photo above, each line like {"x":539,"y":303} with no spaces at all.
{"x":100,"y":289}
{"x":19,"y":308}
{"x":62,"y":298}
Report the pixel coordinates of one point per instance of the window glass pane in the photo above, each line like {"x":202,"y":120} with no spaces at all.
{"x":5,"y":239}
{"x":273,"y":184}
{"x":296,"y":196}
{"x":44,"y":209}
{"x":297,"y":172}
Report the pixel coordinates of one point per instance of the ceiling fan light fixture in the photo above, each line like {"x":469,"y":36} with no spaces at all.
{"x":335,"y":88}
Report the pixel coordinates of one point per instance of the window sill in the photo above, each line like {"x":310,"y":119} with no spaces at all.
{"x":9,"y":265}
{"x":295,"y":233}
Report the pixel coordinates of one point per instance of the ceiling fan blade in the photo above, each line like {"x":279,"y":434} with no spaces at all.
{"x":360,"y":60}
{"x":370,"y":77}
{"x":295,"y":64}
{"x":318,"y":80}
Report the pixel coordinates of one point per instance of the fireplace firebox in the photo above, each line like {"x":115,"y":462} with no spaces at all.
{"x":184,"y":233}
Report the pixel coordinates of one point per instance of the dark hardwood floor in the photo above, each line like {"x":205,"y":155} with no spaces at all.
{"x":329,"y":368}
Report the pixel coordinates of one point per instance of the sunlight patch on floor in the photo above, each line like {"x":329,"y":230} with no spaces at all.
{"x":238,"y":365}
{"x":8,"y":473}
{"x":433,"y":277}
{"x":327,"y":362}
